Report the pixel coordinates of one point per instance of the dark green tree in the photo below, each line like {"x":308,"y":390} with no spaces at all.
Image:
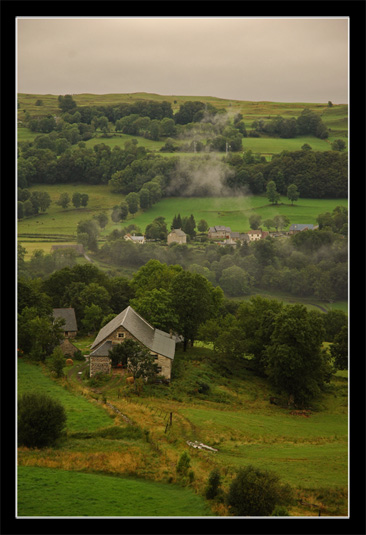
{"x":296,"y":363}
{"x":132,"y":201}
{"x":272,"y":195}
{"x":292,"y":193}
{"x":41,"y":420}
{"x":256,"y":492}
{"x":195,"y":301}
{"x":339,"y":349}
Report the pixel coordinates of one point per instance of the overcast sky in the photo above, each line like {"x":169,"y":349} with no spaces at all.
{"x":283,"y":60}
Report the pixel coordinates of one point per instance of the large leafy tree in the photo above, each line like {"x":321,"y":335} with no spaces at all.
{"x":195,"y":301}
{"x":154,"y":274}
{"x":296,"y":363}
{"x":156,"y":306}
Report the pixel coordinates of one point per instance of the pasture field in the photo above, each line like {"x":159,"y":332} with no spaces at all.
{"x":234,"y":212}
{"x":235,"y":417}
{"x":229,"y":211}
{"x":85,"y":494}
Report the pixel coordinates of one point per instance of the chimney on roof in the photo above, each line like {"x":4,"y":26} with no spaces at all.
{"x":171,"y":333}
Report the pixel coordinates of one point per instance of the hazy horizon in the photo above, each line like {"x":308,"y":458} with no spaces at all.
{"x":248,"y":59}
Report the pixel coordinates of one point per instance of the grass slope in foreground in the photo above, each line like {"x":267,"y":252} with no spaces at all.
{"x":81,"y":494}
{"x":82,"y":415}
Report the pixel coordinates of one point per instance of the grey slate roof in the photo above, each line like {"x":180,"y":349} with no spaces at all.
{"x":154,"y":339}
{"x":219,"y":228}
{"x":301,"y":227}
{"x":102,"y":351}
{"x":68,"y":314}
{"x":178,"y":232}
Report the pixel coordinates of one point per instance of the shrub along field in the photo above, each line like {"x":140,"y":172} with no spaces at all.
{"x":231,"y":414}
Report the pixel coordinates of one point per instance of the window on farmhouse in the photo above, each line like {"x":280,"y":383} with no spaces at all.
{"x":121,"y":335}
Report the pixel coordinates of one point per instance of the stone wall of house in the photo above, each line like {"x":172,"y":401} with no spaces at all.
{"x":99,"y":364}
{"x":164,"y":363}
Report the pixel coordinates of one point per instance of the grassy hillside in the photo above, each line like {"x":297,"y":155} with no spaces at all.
{"x":233,"y":416}
{"x":335,"y":118}
{"x":87,"y":494}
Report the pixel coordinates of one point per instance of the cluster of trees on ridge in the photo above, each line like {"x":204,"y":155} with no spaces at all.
{"x":60,"y":155}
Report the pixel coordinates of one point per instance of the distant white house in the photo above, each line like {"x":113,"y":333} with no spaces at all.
{"x":177,"y":236}
{"x":134,"y":239}
{"x":258,"y":234}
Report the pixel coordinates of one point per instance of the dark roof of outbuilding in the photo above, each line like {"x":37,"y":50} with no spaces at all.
{"x":68,"y":314}
{"x":102,"y":351}
{"x":154,"y":339}
{"x":300,"y":226}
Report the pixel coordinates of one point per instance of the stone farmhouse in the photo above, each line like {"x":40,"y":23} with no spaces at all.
{"x":177,"y":236}
{"x":219,"y":232}
{"x":67,"y":314}
{"x":130,"y":325}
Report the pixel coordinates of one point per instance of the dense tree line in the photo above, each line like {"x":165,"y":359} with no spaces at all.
{"x":308,"y":123}
{"x":280,"y":342}
{"x":315,"y":174}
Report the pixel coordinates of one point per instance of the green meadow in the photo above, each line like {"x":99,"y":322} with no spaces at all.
{"x":234,"y":212}
{"x":82,"y":415}
{"x":230,"y":211}
{"x":86,"y":494}
{"x":132,"y":473}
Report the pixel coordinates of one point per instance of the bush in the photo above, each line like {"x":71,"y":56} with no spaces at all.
{"x":183,"y":464}
{"x":78,"y":355}
{"x":56,"y":362}
{"x":213,"y":484}
{"x":41,"y":420}
{"x":256,"y":493}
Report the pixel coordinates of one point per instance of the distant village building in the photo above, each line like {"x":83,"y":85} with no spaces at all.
{"x":68,"y":314}
{"x":239,"y":236}
{"x":177,"y":236}
{"x":130,"y":325}
{"x":258,"y":234}
{"x":219,"y":232}
{"x":296,"y":227}
{"x":134,"y":239}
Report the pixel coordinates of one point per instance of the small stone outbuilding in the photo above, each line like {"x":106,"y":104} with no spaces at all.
{"x":67,"y":314}
{"x":68,"y":348}
{"x":130,"y":325}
